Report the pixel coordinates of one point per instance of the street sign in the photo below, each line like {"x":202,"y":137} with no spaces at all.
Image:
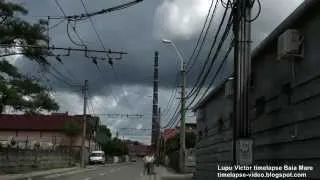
{"x":244,"y":151}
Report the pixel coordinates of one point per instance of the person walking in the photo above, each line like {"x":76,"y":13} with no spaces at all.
{"x":145,"y":164}
{"x":148,"y":160}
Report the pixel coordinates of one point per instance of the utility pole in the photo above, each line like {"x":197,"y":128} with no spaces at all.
{"x":84,"y":124}
{"x":182,"y":121}
{"x":159,"y":135}
{"x":242,"y":73}
{"x":154,"y":135}
{"x":182,"y":107}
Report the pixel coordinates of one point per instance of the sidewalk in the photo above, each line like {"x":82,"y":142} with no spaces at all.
{"x":60,"y":172}
{"x":37,"y":173}
{"x":165,"y":174}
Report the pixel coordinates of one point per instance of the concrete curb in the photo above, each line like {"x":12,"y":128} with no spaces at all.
{"x":164,"y":174}
{"x":36,"y":174}
{"x":60,"y":171}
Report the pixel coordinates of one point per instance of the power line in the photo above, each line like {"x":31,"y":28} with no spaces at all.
{"x":227,"y":30}
{"x":204,"y":37}
{"x":196,"y":86}
{"x":172,"y":96}
{"x":60,"y":8}
{"x":199,"y":83}
{"x":93,"y":25}
{"x":217,"y":71}
{"x":103,"y":11}
{"x":61,"y":48}
{"x":62,"y":80}
{"x":103,"y":46}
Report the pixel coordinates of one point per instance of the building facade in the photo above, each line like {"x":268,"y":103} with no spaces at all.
{"x":44,"y":129}
{"x":284,"y":103}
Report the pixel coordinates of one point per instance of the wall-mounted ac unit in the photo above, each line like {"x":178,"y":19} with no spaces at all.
{"x":289,"y":44}
{"x":228,"y":87}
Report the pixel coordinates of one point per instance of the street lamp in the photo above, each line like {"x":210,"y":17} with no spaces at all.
{"x":182,"y":66}
{"x":182,"y":107}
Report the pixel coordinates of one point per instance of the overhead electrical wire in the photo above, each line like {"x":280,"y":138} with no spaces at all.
{"x":224,"y":36}
{"x":172,"y":117}
{"x":217,"y":72}
{"x":56,"y":25}
{"x":68,"y":24}
{"x":172,"y":96}
{"x":62,"y":80}
{"x":205,"y":30}
{"x":258,"y":13}
{"x":60,"y":8}
{"x":212,"y":46}
{"x":103,"y":46}
{"x":61,"y":74}
{"x":197,"y":86}
{"x":201,"y":39}
{"x":93,"y":26}
{"x":103,"y":11}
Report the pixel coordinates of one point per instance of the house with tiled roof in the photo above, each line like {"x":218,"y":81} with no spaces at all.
{"x":45,"y":129}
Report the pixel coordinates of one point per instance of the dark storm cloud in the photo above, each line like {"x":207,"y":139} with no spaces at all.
{"x":132,"y":30}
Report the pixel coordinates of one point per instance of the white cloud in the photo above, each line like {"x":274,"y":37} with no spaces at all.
{"x":180,"y":18}
{"x":139,"y":126}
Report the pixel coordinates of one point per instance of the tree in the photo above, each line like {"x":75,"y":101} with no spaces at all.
{"x":173,"y":144}
{"x":103,"y":135}
{"x":116,"y":147}
{"x":16,"y":90}
{"x":72,"y":129}
{"x":14,"y":30}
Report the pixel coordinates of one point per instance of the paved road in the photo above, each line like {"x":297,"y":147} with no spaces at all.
{"x":119,"y":172}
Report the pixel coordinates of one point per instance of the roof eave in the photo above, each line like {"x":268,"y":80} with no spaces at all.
{"x":285,"y":24}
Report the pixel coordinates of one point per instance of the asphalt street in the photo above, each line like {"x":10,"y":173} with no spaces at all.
{"x":132,"y":171}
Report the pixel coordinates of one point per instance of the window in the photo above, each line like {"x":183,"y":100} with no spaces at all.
{"x":220,"y":124}
{"x":252,"y":80}
{"x":287,"y":90}
{"x":231,"y":119}
{"x":206,"y":131}
{"x":260,"y":105}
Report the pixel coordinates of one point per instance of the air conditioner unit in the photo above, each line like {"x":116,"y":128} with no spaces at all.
{"x":289,"y":44}
{"x":228,"y":87}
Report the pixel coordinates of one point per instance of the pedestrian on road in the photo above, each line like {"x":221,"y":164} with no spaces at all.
{"x":148,"y":162}
{"x":145,"y":164}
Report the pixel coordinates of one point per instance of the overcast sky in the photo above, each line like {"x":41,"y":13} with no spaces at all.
{"x":138,"y":31}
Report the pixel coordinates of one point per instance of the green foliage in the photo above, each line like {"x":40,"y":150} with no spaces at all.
{"x":13,"y":85}
{"x":103,"y":135}
{"x":72,"y":129}
{"x":191,"y":139}
{"x":115,"y":147}
{"x":13,"y":29}
{"x":173,"y":144}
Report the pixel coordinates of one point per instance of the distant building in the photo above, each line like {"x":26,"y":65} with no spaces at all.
{"x":172,"y":132}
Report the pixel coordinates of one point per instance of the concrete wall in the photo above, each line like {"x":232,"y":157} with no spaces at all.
{"x":54,"y":137}
{"x":14,"y":161}
{"x":287,"y":131}
{"x":215,"y":144}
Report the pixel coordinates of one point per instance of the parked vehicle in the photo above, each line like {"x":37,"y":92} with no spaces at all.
{"x":97,"y":157}
{"x":133,"y":159}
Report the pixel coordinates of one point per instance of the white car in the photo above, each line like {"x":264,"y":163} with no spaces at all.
{"x":97,"y":157}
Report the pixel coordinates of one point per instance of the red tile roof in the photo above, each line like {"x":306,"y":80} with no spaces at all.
{"x":169,"y":133}
{"x":35,"y":122}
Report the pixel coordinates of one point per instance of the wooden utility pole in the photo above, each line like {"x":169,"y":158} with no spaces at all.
{"x":159,"y":136}
{"x":84,"y":124}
